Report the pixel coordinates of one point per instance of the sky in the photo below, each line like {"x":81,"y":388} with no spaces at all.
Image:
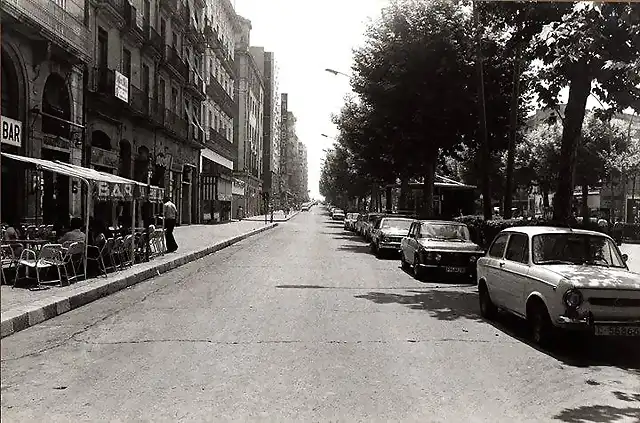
{"x":307,"y":37}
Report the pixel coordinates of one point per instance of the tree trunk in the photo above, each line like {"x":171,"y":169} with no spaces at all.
{"x":427,"y":189}
{"x":585,"y":202}
{"x":545,"y":197}
{"x":513,"y":133}
{"x":404,"y":192}
{"x":579,"y":90}
{"x":389,"y":199}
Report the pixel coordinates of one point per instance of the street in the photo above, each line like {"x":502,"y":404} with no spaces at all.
{"x":302,"y":323}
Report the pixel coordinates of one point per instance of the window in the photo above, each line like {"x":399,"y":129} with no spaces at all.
{"x":497,"y":248}
{"x":163,"y":30}
{"x":174,"y":99}
{"x":145,"y":79}
{"x":161,"y":92}
{"x":103,"y":47}
{"x":518,"y":248}
{"x":126,"y":63}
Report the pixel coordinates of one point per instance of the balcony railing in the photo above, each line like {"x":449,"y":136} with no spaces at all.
{"x":196,"y":135}
{"x":104,"y":81}
{"x":152,"y":38}
{"x":63,"y":26}
{"x":138,"y":100}
{"x":196,"y":84}
{"x":157,"y":112}
{"x":176,"y":124}
{"x":217,"y":143}
{"x":115,"y":7}
{"x":220,"y":96}
{"x":172,"y":58}
{"x":133,"y":25}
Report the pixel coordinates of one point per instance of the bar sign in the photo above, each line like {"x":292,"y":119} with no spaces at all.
{"x":11,"y":131}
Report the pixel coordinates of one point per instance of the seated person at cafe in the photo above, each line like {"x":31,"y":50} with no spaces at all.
{"x":75,"y":234}
{"x":12,"y":234}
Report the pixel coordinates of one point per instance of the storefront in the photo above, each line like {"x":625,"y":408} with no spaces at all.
{"x":216,"y":187}
{"x":238,"y":199}
{"x":12,"y":185}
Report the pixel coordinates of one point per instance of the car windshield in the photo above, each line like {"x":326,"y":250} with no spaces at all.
{"x":445,"y":231}
{"x":401,"y":224}
{"x":568,"y":248}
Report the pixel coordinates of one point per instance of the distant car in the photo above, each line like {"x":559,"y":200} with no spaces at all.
{"x":369,"y":223}
{"x":560,"y":278}
{"x":441,"y":249}
{"x":337,"y":214}
{"x":305,"y":207}
{"x":350,"y":221}
{"x":387,"y":234}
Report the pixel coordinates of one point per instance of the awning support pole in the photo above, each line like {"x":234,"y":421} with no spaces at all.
{"x":86,"y":234}
{"x":133,"y":232}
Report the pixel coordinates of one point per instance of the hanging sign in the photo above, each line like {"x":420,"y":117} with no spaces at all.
{"x":122,"y":87}
{"x":11,"y":131}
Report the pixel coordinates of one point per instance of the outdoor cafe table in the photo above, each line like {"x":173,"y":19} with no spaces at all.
{"x":35,"y":244}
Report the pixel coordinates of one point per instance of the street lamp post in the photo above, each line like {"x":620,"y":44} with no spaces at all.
{"x":336,"y":73}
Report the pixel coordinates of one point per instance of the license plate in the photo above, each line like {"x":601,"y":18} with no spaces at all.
{"x":617,"y":331}
{"x":455,"y":269}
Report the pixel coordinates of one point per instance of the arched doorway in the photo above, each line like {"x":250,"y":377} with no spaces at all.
{"x":56,"y":102}
{"x":13,"y":176}
{"x":100,"y":140}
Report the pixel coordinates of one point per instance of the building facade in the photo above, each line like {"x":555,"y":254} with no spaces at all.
{"x":271,"y":124}
{"x":145,"y":93}
{"x":43,"y":73}
{"x":219,"y":110}
{"x":248,"y":126}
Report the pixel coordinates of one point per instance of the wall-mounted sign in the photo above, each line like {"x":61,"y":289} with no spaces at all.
{"x":224,"y":197}
{"x":237,"y":188}
{"x":122,"y":87}
{"x":11,"y":131}
{"x":164,"y":160}
{"x":55,"y":142}
{"x":105,"y":158}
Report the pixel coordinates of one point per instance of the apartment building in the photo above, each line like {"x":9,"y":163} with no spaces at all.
{"x":144,"y":98}
{"x":271,"y":124}
{"x":219,"y":110}
{"x":248,"y":126}
{"x":45,"y":49}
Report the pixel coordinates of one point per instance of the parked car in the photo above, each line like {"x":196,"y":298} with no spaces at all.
{"x":440,"y":249}
{"x":350,"y":221}
{"x":359,"y":225}
{"x":337,"y":214}
{"x":369,"y":223}
{"x":560,"y":278}
{"x":387,"y":234}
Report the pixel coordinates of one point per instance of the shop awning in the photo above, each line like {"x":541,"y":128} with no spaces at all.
{"x":105,"y":186}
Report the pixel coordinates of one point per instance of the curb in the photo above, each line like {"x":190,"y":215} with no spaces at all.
{"x":24,"y":317}
{"x":291,"y":216}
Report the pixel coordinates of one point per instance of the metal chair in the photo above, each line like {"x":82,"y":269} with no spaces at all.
{"x":96,"y":254}
{"x":117,"y":251}
{"x":9,"y":260}
{"x":126,"y":251}
{"x":76,"y":251}
{"x":50,"y":256}
{"x":110,"y":252}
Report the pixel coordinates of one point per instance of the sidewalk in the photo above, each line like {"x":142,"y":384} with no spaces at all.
{"x":21,"y":308}
{"x":277,"y":217}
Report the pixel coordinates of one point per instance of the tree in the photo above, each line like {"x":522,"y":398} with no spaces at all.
{"x":413,"y":74}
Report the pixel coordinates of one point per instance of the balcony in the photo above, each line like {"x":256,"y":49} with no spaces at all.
{"x":170,"y":6}
{"x":196,"y":135}
{"x":153,"y":42}
{"x":157,"y":112}
{"x":221,"y":97}
{"x":196,"y":85}
{"x":113,"y":10}
{"x":174,"y":63}
{"x":181,"y":16}
{"x":138,"y":101}
{"x":134,"y":27}
{"x":196,"y":36}
{"x":217,"y":143}
{"x":211,"y":35}
{"x":104,"y":81}
{"x":64,"y":27}
{"x":175,"y":124}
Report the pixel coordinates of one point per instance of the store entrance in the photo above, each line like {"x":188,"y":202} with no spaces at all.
{"x":55,"y":196}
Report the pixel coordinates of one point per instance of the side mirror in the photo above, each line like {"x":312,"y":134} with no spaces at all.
{"x":625,"y":257}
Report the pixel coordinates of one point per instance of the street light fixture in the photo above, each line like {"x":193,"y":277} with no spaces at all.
{"x":336,"y":73}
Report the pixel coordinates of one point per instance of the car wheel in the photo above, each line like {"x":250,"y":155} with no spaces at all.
{"x":488,"y":309}
{"x":540,"y":322}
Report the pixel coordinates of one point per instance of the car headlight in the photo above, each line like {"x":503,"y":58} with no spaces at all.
{"x":572,"y":298}
{"x":437,"y":256}
{"x":473,"y":259}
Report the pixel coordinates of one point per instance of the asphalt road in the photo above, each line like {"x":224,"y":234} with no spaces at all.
{"x":302,"y":324}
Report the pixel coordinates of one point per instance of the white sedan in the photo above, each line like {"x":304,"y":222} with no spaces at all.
{"x":560,"y":278}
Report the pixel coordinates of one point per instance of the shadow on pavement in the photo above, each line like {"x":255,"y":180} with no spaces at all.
{"x":302,"y":286}
{"x":356,"y":248}
{"x":598,"y":413}
{"x":571,"y":349}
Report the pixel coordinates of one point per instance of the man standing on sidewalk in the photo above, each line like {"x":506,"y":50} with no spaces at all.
{"x":170,"y":212}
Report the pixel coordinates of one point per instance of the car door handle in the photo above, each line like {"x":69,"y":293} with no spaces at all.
{"x":502,"y":264}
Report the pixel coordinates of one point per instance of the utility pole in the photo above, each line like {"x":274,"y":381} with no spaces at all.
{"x":513,"y":133}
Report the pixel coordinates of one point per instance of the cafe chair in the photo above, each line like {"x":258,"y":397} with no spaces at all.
{"x":126,"y":251}
{"x":9,"y":260}
{"x":95,"y":254}
{"x":76,"y":256}
{"x":117,"y":251}
{"x":50,"y":256}
{"x":110,"y":253}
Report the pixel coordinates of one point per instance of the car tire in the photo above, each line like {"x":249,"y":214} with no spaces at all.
{"x":542,"y":330}
{"x":488,"y":309}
